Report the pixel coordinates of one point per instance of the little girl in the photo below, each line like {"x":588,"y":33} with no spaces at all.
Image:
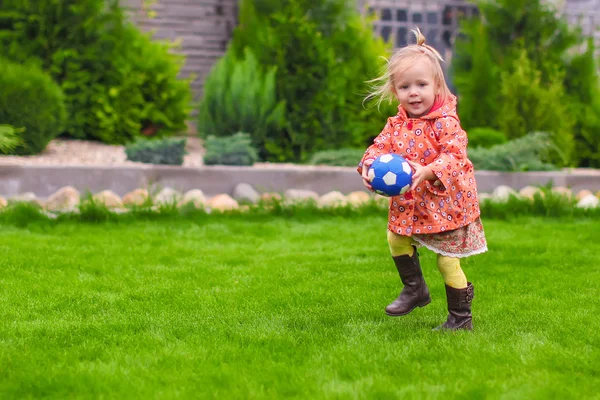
{"x":441,"y":209}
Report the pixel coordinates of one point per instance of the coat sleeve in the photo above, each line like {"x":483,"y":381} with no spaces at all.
{"x":382,"y":144}
{"x":452,"y":154}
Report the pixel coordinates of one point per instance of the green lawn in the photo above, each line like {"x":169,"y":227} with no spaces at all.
{"x":284,"y":307}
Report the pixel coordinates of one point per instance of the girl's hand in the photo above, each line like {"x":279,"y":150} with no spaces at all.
{"x":421,"y":173}
{"x":365,"y":174}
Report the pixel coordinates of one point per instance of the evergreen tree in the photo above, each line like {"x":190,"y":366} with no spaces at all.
{"x":517,"y":68}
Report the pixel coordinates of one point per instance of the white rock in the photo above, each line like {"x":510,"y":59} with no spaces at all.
{"x":136,"y":197}
{"x":332,"y":199}
{"x":65,"y":199}
{"x":167,"y":196}
{"x":271,"y":197}
{"x":502,"y":193}
{"x":383,"y":200}
{"x":109,"y":198}
{"x":27,"y":197}
{"x":195,"y":196}
{"x":583,"y":193}
{"x":295,"y":195}
{"x":223,"y":202}
{"x":589,"y":201}
{"x":483,"y":196}
{"x":245,"y":192}
{"x":529,"y":192}
{"x":357,"y":198}
{"x":561,"y":190}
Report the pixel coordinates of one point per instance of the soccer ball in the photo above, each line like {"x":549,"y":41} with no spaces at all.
{"x":390,"y":175}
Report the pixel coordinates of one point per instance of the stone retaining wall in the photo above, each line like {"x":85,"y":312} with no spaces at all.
{"x":45,"y":180}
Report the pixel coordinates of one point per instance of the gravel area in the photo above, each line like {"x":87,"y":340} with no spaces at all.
{"x":83,"y":152}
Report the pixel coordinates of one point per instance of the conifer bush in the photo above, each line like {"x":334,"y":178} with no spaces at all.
{"x":169,"y":151}
{"x":235,"y":149}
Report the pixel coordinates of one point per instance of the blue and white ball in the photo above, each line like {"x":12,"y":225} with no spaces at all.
{"x":390,"y":175}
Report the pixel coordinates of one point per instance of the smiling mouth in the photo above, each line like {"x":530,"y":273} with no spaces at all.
{"x":415,"y":103}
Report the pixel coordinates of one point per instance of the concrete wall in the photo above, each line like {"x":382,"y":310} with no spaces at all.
{"x":45,"y":180}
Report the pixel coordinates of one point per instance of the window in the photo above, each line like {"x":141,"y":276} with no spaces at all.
{"x":417,"y":17}
{"x":401,"y":15}
{"x":385,"y":32}
{"x":386,"y":14}
{"x":432,"y":38}
{"x":401,"y":37}
{"x":432,"y":18}
{"x":447,"y":39}
{"x":447,"y":16}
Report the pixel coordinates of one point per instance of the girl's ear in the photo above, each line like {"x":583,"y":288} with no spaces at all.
{"x":394,"y":92}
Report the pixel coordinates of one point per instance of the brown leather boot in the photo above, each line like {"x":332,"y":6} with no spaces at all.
{"x":415,"y":292}
{"x":459,"y":308}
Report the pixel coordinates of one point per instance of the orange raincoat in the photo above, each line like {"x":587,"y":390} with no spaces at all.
{"x":437,"y":141}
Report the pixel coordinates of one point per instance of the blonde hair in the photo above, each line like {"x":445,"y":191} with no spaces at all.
{"x":382,"y":87}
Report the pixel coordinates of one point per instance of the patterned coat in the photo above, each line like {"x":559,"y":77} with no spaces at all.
{"x":438,"y":141}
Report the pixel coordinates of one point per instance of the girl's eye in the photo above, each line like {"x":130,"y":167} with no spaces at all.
{"x":404,"y":87}
{"x":422,"y":84}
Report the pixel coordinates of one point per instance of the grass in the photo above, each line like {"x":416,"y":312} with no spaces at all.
{"x":275,"y":307}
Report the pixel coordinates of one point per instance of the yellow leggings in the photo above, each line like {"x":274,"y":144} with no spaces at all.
{"x":449,"y":266}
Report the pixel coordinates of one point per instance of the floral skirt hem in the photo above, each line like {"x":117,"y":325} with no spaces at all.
{"x":462,"y":242}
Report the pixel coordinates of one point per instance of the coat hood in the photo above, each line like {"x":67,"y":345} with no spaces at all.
{"x":447,"y":109}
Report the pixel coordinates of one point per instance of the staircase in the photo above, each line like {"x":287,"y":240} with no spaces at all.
{"x":204,"y":28}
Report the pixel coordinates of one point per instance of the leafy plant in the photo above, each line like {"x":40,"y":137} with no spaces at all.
{"x":236,"y":149}
{"x":168,"y":151}
{"x":582,"y":85}
{"x":485,"y":137}
{"x":31,"y":101}
{"x":524,"y":154}
{"x":531,"y":105}
{"x":9,"y":138}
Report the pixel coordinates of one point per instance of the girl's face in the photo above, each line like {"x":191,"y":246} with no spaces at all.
{"x":415,"y":88}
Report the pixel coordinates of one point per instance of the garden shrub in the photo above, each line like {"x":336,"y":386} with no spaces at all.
{"x":31,"y":102}
{"x":341,"y":158}
{"x":324,"y":52}
{"x":118,"y":83}
{"x":528,"y":153}
{"x":236,"y":149}
{"x":168,"y":151}
{"x":485,"y":137}
{"x":239,"y":97}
